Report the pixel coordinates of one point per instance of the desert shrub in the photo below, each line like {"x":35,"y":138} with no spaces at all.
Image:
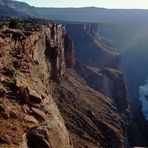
{"x":13,"y":24}
{"x":1,"y":25}
{"x":9,"y":72}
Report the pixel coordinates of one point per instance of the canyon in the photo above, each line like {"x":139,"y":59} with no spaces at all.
{"x":74,"y":81}
{"x":43,"y":82}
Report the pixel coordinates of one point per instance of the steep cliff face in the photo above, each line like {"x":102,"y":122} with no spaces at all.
{"x":39,"y":67}
{"x":122,"y":37}
{"x":109,"y":82}
{"x":91,"y":48}
{"x":92,"y":118}
{"x":69,"y":52}
{"x":90,"y":98}
{"x":29,"y":116}
{"x":103,"y":73}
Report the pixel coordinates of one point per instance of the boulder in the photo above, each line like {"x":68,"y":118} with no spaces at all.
{"x":39,"y":138}
{"x":34,"y":96}
{"x":31,"y":119}
{"x":29,"y":95}
{"x":38,"y":114}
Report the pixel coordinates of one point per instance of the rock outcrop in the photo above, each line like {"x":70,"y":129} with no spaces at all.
{"x":69,"y":52}
{"x":28,"y":114}
{"x":109,"y":82}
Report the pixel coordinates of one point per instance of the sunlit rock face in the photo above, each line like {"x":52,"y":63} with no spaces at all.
{"x":143,"y":96}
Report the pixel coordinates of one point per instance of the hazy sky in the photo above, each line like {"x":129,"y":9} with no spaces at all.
{"x":83,"y":3}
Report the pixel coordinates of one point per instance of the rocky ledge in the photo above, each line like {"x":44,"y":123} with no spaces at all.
{"x":28,"y":114}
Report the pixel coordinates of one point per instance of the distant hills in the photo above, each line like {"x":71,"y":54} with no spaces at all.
{"x":93,"y":14}
{"x":9,"y":8}
{"x":88,"y":14}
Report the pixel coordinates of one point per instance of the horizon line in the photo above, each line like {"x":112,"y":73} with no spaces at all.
{"x":109,"y":8}
{"x":75,"y":7}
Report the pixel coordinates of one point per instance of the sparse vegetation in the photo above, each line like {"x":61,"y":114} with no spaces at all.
{"x":1,"y":25}
{"x":13,"y":24}
{"x":28,"y":24}
{"x":10,"y":72}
